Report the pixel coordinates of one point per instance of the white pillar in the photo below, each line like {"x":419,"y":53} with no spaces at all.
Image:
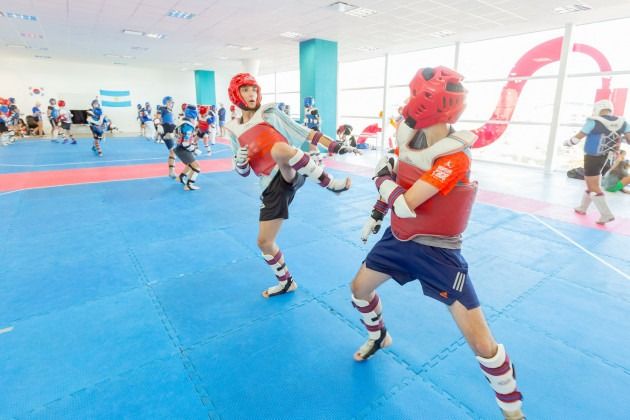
{"x":557,"y":103}
{"x":456,"y":61}
{"x":251,"y":66}
{"x":384,"y":119}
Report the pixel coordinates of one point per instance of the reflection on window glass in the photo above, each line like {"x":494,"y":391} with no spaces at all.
{"x":402,"y":67}
{"x":363,"y":129}
{"x":534,"y":104}
{"x":607,"y":37}
{"x":495,"y":58}
{"x":288,"y":81}
{"x":568,"y":157}
{"x":361,"y":103}
{"x":293,"y":100}
{"x":267,"y":83}
{"x":579,"y":96}
{"x":362,"y":73}
{"x":519,"y":144}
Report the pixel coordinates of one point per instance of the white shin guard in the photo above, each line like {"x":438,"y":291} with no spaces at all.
{"x":500,"y":374}
{"x":304,"y":165}
{"x":604,"y":211}
{"x":280,"y":270}
{"x":585,"y":203}
{"x":370,"y":315}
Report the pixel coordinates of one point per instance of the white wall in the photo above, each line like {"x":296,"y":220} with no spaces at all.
{"x":79,"y":83}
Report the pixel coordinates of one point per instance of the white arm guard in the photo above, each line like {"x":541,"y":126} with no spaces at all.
{"x":571,"y":142}
{"x":392,"y":193}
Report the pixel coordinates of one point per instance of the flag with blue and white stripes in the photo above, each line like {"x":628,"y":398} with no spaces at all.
{"x":115,"y":98}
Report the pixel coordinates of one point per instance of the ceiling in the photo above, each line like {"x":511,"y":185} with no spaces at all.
{"x":92,"y":30}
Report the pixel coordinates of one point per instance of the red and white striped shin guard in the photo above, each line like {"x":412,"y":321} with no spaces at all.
{"x":307,"y":166}
{"x":371,"y":315}
{"x":500,"y":373}
{"x":277,"y":265}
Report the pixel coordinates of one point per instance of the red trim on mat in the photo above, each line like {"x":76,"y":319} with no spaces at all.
{"x":44,"y":179}
{"x":620,"y":225}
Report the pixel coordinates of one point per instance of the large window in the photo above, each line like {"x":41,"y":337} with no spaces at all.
{"x":495,"y":58}
{"x":282,"y":87}
{"x":609,"y":38}
{"x":521,"y":96}
{"x":402,"y":67}
{"x":364,"y":73}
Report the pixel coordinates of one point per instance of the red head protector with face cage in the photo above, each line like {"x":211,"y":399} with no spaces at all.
{"x":436,"y":96}
{"x":237,"y":82}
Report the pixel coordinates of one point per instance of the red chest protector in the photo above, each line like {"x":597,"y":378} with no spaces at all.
{"x":202,"y":125}
{"x":440,"y":215}
{"x":259,"y":137}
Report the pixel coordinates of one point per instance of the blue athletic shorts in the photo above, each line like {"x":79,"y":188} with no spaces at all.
{"x":443,"y":273}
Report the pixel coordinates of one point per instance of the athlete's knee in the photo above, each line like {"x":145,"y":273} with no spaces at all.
{"x":282,"y":152}
{"x":483,"y":346}
{"x":265,"y":244}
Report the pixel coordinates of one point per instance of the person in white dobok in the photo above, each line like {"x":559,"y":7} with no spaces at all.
{"x":266,"y":141}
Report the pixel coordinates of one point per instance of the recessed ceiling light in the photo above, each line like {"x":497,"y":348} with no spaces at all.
{"x":18,"y":16}
{"x":140,"y":48}
{"x":292,"y":35}
{"x":572,"y":8}
{"x":442,"y":34}
{"x":233,"y":46}
{"x":132,"y":32}
{"x":31,"y":35}
{"x":180,"y":14}
{"x":368,"y":48}
{"x":342,"y":7}
{"x":45,"y":57}
{"x":118,"y":63}
{"x":360,"y":12}
{"x":16,"y":46}
{"x":154,"y":35}
{"x":248,"y":48}
{"x":184,"y":69}
{"x":222,"y":58}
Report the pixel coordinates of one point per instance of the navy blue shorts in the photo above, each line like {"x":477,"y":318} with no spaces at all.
{"x":443,"y":273}
{"x":97,"y":132}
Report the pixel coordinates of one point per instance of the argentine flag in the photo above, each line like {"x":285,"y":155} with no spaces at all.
{"x":115,"y":98}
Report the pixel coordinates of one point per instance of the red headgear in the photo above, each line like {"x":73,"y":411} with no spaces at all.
{"x":203,"y":109}
{"x":238,"y":81}
{"x":184,"y":105}
{"x":61,"y":103}
{"x":437,"y":96}
{"x":232,"y":108}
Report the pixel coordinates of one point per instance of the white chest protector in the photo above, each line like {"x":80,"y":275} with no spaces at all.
{"x":440,"y":215}
{"x":259,"y":137}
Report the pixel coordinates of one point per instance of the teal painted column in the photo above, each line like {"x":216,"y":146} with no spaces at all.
{"x":205,"y":87}
{"x":318,"y":78}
